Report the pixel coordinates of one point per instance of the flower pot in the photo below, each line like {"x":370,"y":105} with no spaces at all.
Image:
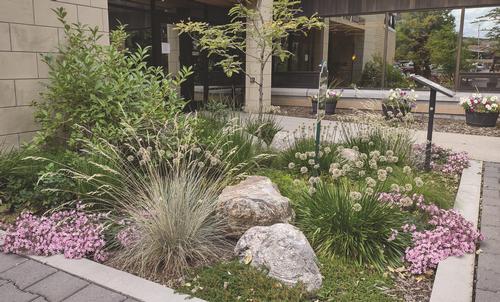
{"x":393,"y":111}
{"x":481,"y":119}
{"x":314,"y":107}
{"x":330,"y":108}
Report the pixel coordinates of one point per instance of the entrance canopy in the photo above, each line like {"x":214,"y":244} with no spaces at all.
{"x":332,"y":8}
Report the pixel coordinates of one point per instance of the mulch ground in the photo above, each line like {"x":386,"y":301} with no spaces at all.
{"x":419,"y":121}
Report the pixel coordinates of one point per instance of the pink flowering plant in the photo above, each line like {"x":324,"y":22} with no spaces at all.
{"x":74,"y":233}
{"x":479,"y":103}
{"x":333,"y":95}
{"x":449,"y":234}
{"x":444,"y":160}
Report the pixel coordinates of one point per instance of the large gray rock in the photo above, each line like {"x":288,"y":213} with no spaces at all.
{"x":283,"y":251}
{"x":256,"y":201}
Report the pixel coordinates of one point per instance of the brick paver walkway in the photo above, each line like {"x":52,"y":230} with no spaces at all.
{"x":25,"y":280}
{"x":488,"y":269}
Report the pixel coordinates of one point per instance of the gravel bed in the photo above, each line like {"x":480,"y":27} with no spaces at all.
{"x":452,"y":125}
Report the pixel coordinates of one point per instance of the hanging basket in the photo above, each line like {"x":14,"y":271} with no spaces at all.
{"x":481,"y":119}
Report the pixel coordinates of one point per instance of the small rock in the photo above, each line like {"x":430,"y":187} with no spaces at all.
{"x":256,"y":201}
{"x":284,"y":252}
{"x":282,"y":141}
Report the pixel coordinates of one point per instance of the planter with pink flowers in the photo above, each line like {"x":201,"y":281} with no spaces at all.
{"x":480,"y":111}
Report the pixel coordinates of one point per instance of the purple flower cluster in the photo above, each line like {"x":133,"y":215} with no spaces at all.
{"x":74,"y":233}
{"x":451,"y":235}
{"x":456,"y":162}
{"x":127,"y":236}
{"x":400,"y":200}
{"x":445,"y":160}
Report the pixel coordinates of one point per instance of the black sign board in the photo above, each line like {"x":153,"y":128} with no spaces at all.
{"x":435,"y":87}
{"x":432,"y":85}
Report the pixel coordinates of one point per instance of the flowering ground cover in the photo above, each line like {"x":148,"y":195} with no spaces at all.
{"x":141,"y":193}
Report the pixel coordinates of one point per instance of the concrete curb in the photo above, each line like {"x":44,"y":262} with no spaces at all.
{"x":113,"y":279}
{"x":455,"y":276}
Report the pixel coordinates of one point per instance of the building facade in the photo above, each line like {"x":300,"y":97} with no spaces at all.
{"x":357,"y":32}
{"x":29,"y":29}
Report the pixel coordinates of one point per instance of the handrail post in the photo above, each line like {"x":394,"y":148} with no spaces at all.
{"x":430,"y":128}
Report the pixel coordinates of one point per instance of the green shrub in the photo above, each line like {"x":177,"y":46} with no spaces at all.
{"x":33,"y":184}
{"x":93,"y":88}
{"x":372,"y":75}
{"x":359,"y":230}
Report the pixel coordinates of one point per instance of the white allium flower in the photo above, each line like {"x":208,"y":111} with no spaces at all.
{"x":312,"y":190}
{"x":382,"y":159}
{"x":369,"y":191}
{"x":327,"y":150}
{"x":303,"y":156}
{"x":316,"y":166}
{"x":130,"y":158}
{"x":408,"y":187}
{"x":303,"y":170}
{"x":336,"y":173}
{"x":406,"y":170}
{"x":389,"y":153}
{"x":311,"y":162}
{"x":359,"y":164}
{"x":418,"y":182}
{"x":406,"y":201}
{"x":291,"y":166}
{"x":395,"y":188}
{"x":355,"y":195}
{"x":201,"y":164}
{"x":297,"y":155}
{"x":389,"y":169}
{"x":370,"y":182}
{"x":357,"y":207}
{"x":362,"y":173}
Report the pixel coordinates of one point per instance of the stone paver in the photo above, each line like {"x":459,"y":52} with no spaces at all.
{"x":488,"y":265}
{"x":27,"y":273}
{"x":95,"y":293}
{"x":10,"y":293}
{"x":9,"y":261}
{"x":25,"y":280}
{"x":58,"y":286}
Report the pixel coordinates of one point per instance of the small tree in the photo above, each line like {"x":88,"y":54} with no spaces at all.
{"x":248,"y":23}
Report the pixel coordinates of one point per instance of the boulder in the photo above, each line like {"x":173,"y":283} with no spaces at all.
{"x":349,"y":154}
{"x":256,"y":201}
{"x":282,"y":141}
{"x":283,"y":251}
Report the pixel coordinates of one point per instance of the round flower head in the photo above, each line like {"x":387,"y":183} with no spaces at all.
{"x":370,"y":182}
{"x":291,"y":166}
{"x":369,"y":191}
{"x":130,"y":158}
{"x":394,"y":188}
{"x":327,"y":150}
{"x":336,"y":173}
{"x":406,"y":170}
{"x":312,"y":190}
{"x":389,"y":169}
{"x":357,"y":207}
{"x":201,"y":164}
{"x":408,"y":187}
{"x":418,"y":182}
{"x":303,"y":170}
{"x":311,"y":162}
{"x":297,"y":155}
{"x":355,"y":195}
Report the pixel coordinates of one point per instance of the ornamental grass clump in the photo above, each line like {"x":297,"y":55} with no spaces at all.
{"x":450,"y":235}
{"x":351,"y":224}
{"x":74,"y":233}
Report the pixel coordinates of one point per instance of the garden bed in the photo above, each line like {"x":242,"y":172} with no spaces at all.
{"x":418,"y":121}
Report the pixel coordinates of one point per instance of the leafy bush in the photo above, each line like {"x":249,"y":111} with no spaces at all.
{"x":29,"y":183}
{"x":354,"y":226}
{"x":93,"y":88}
{"x":372,"y":75}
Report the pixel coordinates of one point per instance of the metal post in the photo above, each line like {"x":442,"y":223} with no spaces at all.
{"x":384,"y":59}
{"x":459,"y":50}
{"x":430,"y":127}
{"x":155,"y":35}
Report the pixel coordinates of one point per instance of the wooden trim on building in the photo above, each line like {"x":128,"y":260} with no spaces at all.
{"x":331,"y":8}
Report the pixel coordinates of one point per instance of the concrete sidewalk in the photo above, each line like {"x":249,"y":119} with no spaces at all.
{"x":484,"y":148}
{"x":24,"y":280}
